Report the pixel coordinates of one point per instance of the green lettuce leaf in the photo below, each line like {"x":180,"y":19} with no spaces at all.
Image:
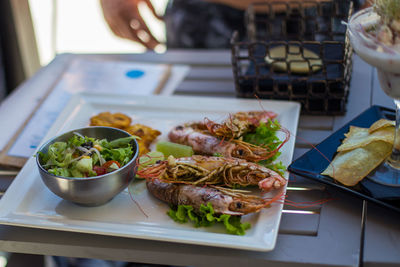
{"x":56,"y":151}
{"x":265,"y":136}
{"x":206,"y":217}
{"x":59,"y":172}
{"x":61,"y":157}
{"x":120,"y":149}
{"x":122,"y":155}
{"x":57,"y":155}
{"x":120,"y":142}
{"x":76,"y":140}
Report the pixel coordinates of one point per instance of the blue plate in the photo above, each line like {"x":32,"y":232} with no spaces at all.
{"x":312,"y":163}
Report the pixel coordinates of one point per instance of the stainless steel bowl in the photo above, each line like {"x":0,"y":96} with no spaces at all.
{"x":91,"y":191}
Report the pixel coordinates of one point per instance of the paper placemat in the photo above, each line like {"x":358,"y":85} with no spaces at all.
{"x":83,"y":75}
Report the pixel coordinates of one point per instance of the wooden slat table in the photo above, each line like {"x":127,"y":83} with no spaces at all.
{"x":332,"y":234}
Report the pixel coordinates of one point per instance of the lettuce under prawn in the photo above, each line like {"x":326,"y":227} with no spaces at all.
{"x":265,"y":136}
{"x":206,"y":217}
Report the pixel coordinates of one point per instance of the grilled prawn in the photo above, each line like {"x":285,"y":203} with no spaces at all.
{"x":208,"y":137}
{"x":238,"y":124}
{"x":204,"y":143}
{"x":203,"y":170}
{"x":223,"y":201}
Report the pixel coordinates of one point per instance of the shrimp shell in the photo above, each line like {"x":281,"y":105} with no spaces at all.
{"x":200,"y":142}
{"x":203,"y":170}
{"x":204,"y":143}
{"x":179,"y":194}
{"x":238,"y":124}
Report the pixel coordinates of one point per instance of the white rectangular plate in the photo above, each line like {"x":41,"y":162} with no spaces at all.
{"x":29,"y":203}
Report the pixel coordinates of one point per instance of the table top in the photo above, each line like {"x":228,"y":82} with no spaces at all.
{"x":344,"y":232}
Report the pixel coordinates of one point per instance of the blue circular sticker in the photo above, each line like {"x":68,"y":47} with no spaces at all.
{"x":134,"y":74}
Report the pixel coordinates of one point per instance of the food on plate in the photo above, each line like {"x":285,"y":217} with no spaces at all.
{"x":121,"y":121}
{"x":150,"y":158}
{"x":206,"y":205}
{"x":204,"y":170}
{"x":116,"y":120}
{"x":361,"y":152}
{"x":222,"y":200}
{"x":204,"y":188}
{"x":298,"y":61}
{"x":237,"y":124}
{"x":174,"y":149}
{"x":359,"y":137}
{"x":352,"y":166}
{"x":381,"y":124}
{"x":245,"y":135}
{"x":147,"y":136}
{"x":206,"y":216}
{"x":82,"y":156}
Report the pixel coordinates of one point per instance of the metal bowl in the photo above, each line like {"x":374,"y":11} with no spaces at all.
{"x":91,"y":191}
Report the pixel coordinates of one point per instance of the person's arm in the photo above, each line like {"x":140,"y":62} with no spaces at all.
{"x":124,"y":19}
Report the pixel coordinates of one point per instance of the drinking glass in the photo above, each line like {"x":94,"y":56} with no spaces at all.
{"x":387,"y":62}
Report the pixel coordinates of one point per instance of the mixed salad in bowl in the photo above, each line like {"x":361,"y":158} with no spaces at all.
{"x":81,"y":156}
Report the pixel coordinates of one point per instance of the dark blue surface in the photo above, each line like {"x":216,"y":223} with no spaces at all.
{"x":312,"y":163}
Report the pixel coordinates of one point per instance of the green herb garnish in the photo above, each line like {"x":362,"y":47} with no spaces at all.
{"x":265,"y":136}
{"x":206,"y":217}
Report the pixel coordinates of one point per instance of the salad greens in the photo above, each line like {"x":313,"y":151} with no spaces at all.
{"x":206,"y":217}
{"x":83,"y":156}
{"x":265,"y":136}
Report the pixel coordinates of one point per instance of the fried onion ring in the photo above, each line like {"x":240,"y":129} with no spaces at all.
{"x":116,"y":120}
{"x":146,"y":134}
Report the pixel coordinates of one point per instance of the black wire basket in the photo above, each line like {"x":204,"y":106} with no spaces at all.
{"x":296,"y":51}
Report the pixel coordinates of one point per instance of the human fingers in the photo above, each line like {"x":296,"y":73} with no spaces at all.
{"x":135,"y":28}
{"x":152,"y":9}
{"x":126,"y":32}
{"x":125,"y":21}
{"x":140,"y":30}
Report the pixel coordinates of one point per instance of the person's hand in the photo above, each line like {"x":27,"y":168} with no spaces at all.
{"x":125,"y":21}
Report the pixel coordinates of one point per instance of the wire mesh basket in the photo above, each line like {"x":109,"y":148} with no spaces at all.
{"x":296,"y":51}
